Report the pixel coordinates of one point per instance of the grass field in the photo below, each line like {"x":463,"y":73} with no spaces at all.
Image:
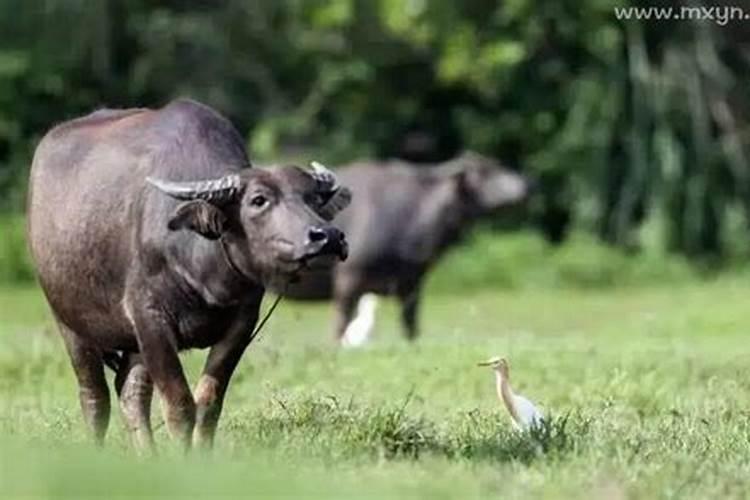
{"x":649,"y":389}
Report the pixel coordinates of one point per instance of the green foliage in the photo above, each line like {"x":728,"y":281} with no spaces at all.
{"x":15,"y":265}
{"x":488,"y":260}
{"x":525,"y":260}
{"x":624,"y":122}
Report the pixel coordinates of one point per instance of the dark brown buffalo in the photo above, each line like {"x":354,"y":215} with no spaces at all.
{"x":150,"y":235}
{"x":402,"y":218}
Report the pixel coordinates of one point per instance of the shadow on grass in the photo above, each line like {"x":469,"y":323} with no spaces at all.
{"x":328,"y":428}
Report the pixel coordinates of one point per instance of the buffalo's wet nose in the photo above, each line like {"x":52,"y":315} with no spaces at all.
{"x":335,"y":235}
{"x":317,"y":235}
{"x":338,"y":244}
{"x":326,"y":241}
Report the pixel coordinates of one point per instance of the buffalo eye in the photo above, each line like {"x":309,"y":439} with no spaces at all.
{"x":259,"y":201}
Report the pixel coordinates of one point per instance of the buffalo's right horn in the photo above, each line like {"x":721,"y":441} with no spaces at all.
{"x":325,"y":178}
{"x":335,"y":197}
{"x":219,"y":191}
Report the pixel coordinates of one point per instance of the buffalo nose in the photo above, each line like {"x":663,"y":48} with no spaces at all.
{"x":327,"y":241}
{"x":317,"y":235}
{"x":337,"y":243}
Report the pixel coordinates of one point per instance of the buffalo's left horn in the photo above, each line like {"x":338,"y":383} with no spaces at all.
{"x":222,"y":190}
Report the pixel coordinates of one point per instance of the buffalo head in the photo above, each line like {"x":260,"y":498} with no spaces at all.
{"x":272,"y":222}
{"x":485,"y":184}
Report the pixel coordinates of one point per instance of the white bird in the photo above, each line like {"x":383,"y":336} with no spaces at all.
{"x":522,"y":411}
{"x":359,"y":329}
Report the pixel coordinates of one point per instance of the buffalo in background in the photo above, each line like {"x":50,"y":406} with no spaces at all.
{"x":402,"y":219}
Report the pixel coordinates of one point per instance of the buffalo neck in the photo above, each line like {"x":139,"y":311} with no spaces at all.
{"x":435,"y":226}
{"x":205,"y":267}
{"x":452,"y":229}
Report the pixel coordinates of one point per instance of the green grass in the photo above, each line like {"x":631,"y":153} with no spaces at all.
{"x":649,"y":389}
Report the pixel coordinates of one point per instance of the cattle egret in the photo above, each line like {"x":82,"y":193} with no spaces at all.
{"x":523,"y":413}
{"x":358,"y":331}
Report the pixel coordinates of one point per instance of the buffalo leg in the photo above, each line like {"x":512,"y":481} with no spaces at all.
{"x":409,"y":311}
{"x":135,"y":391}
{"x":159,"y":353}
{"x":213,"y":383}
{"x":347,"y":292}
{"x":345,"y":308}
{"x":92,"y":385}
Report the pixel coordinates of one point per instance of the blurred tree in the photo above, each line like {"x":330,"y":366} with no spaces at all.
{"x":637,"y":131}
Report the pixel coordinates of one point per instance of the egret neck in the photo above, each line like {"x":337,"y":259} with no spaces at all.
{"x":505,"y":392}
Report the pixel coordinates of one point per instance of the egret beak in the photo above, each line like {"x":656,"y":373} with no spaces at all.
{"x":485,"y":363}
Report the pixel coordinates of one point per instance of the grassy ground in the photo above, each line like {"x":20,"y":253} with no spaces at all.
{"x":650,"y":389}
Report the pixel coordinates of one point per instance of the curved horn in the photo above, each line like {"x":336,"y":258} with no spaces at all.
{"x":217,"y":191}
{"x":323,"y":176}
{"x":335,"y":197}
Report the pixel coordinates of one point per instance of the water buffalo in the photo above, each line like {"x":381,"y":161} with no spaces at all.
{"x":401,"y":220}
{"x":150,"y":235}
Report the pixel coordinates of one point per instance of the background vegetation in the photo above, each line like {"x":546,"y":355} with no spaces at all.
{"x":638,"y":131}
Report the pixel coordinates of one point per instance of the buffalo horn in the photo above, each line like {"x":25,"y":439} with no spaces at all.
{"x":335,"y":197}
{"x":325,"y":178}
{"x":219,"y":191}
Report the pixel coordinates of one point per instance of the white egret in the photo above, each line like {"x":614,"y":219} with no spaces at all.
{"x":359,"y":329}
{"x":522,"y":411}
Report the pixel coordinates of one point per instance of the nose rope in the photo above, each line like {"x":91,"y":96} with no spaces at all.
{"x":270,"y":311}
{"x":268,"y":314}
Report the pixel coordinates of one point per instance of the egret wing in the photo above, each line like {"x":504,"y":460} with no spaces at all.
{"x":528,"y":414}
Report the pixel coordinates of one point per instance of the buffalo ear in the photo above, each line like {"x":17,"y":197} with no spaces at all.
{"x":199,"y":216}
{"x":466,"y":182}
